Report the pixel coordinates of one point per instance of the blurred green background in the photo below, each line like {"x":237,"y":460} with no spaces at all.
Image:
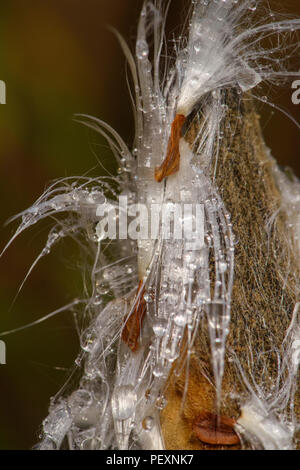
{"x":58,"y":58}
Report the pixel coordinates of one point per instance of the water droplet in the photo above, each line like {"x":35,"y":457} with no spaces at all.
{"x":159,"y":329}
{"x":223,"y":266}
{"x":142,"y":49}
{"x":161,"y":403}
{"x":148,"y":298}
{"x":97,"y":299}
{"x":158,"y":372}
{"x":148,"y":423}
{"x":180,"y":320}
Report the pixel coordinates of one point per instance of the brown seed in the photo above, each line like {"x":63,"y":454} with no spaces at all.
{"x":170,"y":164}
{"x":217,"y":430}
{"x":132,"y":328}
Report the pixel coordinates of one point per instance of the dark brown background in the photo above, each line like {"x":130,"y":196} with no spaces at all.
{"x":57,"y":58}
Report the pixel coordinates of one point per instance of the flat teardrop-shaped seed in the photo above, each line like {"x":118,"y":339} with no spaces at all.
{"x":217,"y":430}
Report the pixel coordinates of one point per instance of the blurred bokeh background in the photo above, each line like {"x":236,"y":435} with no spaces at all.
{"x":58,"y":58}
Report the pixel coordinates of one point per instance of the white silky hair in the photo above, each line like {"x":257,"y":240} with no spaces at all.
{"x":120,"y":394}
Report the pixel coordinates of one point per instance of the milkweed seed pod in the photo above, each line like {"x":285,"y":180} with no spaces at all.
{"x":197,"y":344}
{"x":260,"y":387}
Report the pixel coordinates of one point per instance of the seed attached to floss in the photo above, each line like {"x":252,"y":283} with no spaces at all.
{"x":170,"y":164}
{"x":132,"y":328}
{"x":216,"y":430}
